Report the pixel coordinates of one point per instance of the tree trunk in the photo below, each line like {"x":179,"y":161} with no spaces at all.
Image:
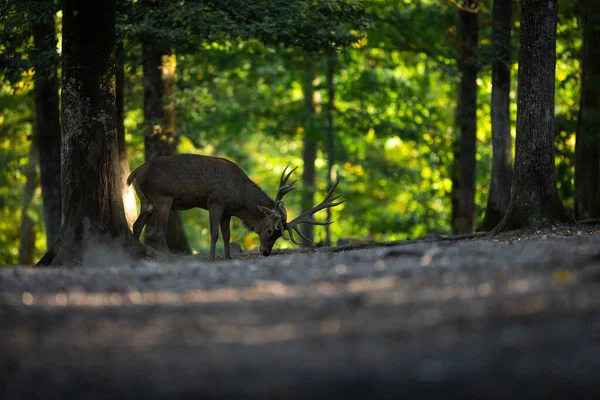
{"x":312,"y":100}
{"x":455,"y":172}
{"x":47,"y":120}
{"x":534,"y":201}
{"x":587,"y":148}
{"x":331,"y":60}
{"x":92,"y":209}
{"x":467,"y":118}
{"x":27,"y":233}
{"x":499,"y":194}
{"x":128,"y":195}
{"x":160,"y":138}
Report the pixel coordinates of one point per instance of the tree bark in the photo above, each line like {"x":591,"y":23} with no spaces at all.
{"x":160,"y":138}
{"x":47,"y":119}
{"x":534,"y":200}
{"x":312,"y":101}
{"x":28,"y":231}
{"x":128,"y":195}
{"x":500,"y":182}
{"x":467,"y":117}
{"x":587,"y":147}
{"x":331,"y":61}
{"x":92,"y":209}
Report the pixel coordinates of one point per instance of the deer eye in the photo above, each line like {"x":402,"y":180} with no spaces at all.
{"x":270,"y":231}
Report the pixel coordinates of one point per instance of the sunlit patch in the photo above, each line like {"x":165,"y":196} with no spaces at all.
{"x":340,"y":269}
{"x":27,"y":298}
{"x":260,"y":290}
{"x":484,"y":289}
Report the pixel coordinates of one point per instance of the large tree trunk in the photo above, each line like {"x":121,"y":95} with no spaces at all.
{"x":312,"y":100}
{"x":534,"y":201}
{"x":127,"y":190}
{"x":47,"y":119}
{"x":587,"y":148}
{"x":28,"y":231}
{"x":467,"y":117}
{"x":331,"y":61}
{"x":499,"y":193}
{"x":92,"y":209}
{"x":160,"y":138}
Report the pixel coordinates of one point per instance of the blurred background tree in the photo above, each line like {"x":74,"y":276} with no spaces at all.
{"x":250,"y":84}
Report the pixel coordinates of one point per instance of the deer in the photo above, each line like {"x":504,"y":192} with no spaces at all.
{"x":185,"y":181}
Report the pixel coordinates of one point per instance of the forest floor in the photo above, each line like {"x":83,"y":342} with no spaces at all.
{"x":511,"y":317}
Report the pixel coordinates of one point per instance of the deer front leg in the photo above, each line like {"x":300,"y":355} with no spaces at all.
{"x":214,"y":215}
{"x":225,"y":219}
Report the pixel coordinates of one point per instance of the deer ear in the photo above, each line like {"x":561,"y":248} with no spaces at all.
{"x":265,"y":210}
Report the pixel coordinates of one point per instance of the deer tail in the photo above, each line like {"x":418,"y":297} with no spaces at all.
{"x":131,"y":176}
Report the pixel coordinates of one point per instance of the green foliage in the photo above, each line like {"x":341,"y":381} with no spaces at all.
{"x":16,"y":120}
{"x":17,"y":51}
{"x":313,"y":25}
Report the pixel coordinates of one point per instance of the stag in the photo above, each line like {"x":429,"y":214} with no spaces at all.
{"x":184,"y":181}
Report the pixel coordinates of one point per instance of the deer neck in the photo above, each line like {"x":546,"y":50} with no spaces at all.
{"x":252,"y":217}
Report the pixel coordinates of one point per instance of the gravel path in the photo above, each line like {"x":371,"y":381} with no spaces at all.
{"x":467,"y":319}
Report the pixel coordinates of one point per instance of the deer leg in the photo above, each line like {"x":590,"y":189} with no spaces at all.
{"x":225,"y":219}
{"x":162,"y":217}
{"x":214,"y":216}
{"x":140,"y":222}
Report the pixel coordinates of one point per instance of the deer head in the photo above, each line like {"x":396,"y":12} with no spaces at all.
{"x":275,"y":222}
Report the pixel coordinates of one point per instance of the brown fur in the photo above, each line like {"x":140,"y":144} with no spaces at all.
{"x":185,"y":181}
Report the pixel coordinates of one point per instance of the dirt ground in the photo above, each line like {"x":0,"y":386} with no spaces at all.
{"x":516,"y":317}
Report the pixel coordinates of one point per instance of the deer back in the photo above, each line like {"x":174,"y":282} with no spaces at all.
{"x":193,"y":180}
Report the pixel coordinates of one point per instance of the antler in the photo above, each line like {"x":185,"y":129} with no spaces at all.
{"x":284,"y":188}
{"x":306,"y":216}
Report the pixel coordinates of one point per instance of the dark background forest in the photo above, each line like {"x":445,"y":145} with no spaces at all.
{"x":393,"y":97}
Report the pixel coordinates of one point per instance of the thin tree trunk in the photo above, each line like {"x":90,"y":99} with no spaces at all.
{"x":331,"y":61}
{"x":500,"y":182}
{"x":309,"y":154}
{"x":467,"y":118}
{"x":160,"y":137}
{"x":28,"y":231}
{"x":92,"y":210}
{"x":47,"y":119}
{"x":534,"y":201}
{"x":128,"y":195}
{"x":587,"y":148}
{"x":455,"y":172}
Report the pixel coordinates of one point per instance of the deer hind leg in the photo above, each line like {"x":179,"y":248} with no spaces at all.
{"x":145,"y":212}
{"x":162,"y":217}
{"x":141,"y":221}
